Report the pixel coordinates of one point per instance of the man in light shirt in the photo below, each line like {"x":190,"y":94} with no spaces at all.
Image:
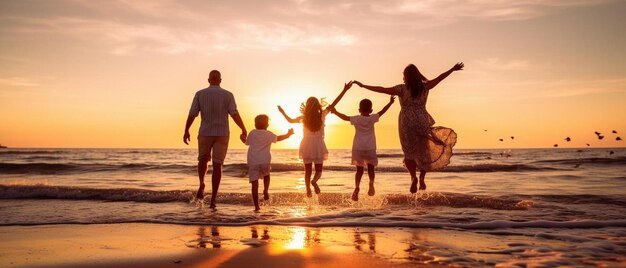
{"x":214,"y":104}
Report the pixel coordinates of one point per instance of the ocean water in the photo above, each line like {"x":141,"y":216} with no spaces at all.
{"x":574,"y":196}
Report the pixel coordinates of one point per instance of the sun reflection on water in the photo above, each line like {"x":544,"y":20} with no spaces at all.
{"x":298,"y":239}
{"x":300,"y":184}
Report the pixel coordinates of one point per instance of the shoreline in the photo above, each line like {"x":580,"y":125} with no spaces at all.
{"x":169,"y":245}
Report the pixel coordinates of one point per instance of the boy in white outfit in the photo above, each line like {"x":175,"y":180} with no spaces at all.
{"x":260,"y":142}
{"x":364,"y":144}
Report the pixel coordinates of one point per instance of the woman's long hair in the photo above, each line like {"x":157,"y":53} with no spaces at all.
{"x":312,"y":112}
{"x":413,"y":80}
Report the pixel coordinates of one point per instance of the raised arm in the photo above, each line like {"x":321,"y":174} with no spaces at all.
{"x":289,"y":119}
{"x":432,"y":83}
{"x":384,"y":110}
{"x":346,"y":86}
{"x":239,"y":122}
{"x":284,"y":137}
{"x":385,"y":90}
{"x":338,"y":114}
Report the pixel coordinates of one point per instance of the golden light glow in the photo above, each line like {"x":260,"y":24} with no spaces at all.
{"x":122,"y":74}
{"x":297,"y":241}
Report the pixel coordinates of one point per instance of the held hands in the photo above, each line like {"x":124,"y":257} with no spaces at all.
{"x":347,"y":86}
{"x":332,"y":109}
{"x":186,"y":137}
{"x":243,"y":137}
{"x":457,"y":67}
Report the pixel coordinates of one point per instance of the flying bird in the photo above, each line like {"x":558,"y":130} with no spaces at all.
{"x":618,"y":139}
{"x":556,"y":145}
{"x":600,"y":137}
{"x":485,"y":130}
{"x":614,"y":132}
{"x":501,"y":139}
{"x":598,"y":133}
{"x":588,"y":144}
{"x":568,"y":139}
{"x":512,"y":137}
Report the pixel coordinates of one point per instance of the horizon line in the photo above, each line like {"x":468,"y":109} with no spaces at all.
{"x":194,"y":148}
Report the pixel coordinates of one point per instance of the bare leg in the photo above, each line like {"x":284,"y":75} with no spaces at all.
{"x":370,"y":171}
{"x":316,"y":177}
{"x":202,"y":168}
{"x":255,"y":195}
{"x":308,"y":169}
{"x":266,"y":187}
{"x":216,"y":177}
{"x":422,"y":182}
{"x":357,"y":182}
{"x":412,"y":168}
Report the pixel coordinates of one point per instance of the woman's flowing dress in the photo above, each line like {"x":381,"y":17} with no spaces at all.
{"x":430,"y":147}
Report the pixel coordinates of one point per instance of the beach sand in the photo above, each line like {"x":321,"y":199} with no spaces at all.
{"x":167,"y":245}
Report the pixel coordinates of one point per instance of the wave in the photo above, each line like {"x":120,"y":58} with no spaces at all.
{"x":487,"y":225}
{"x":585,"y":160}
{"x":390,"y":155}
{"x":58,"y":168}
{"x":400,"y":155}
{"x":619,"y":200}
{"x":239,"y":169}
{"x":474,"y":153}
{"x":290,"y":198}
{"x":80,"y":193}
{"x":11,"y":152}
{"x":355,"y":219}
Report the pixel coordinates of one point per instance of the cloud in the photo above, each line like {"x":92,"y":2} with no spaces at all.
{"x":173,"y":27}
{"x":567,"y":88}
{"x":278,"y":37}
{"x":454,"y":10}
{"x":18,"y":82}
{"x":159,"y":38}
{"x":497,"y":64}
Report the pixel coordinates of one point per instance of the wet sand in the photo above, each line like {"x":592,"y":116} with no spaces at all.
{"x":165,"y":245}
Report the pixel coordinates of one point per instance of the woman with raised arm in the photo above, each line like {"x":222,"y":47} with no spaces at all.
{"x":426,"y":148}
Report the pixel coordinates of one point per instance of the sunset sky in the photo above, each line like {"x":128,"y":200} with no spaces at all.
{"x":123,"y":73}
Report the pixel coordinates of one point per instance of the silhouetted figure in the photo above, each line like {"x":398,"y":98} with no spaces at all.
{"x":259,"y":156}
{"x":313,"y":149}
{"x":568,"y":139}
{"x":364,"y":142}
{"x":426,"y":148}
{"x":214,"y":104}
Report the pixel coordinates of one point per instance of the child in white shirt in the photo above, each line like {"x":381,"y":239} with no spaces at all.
{"x":260,"y":142}
{"x":364,"y":143}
